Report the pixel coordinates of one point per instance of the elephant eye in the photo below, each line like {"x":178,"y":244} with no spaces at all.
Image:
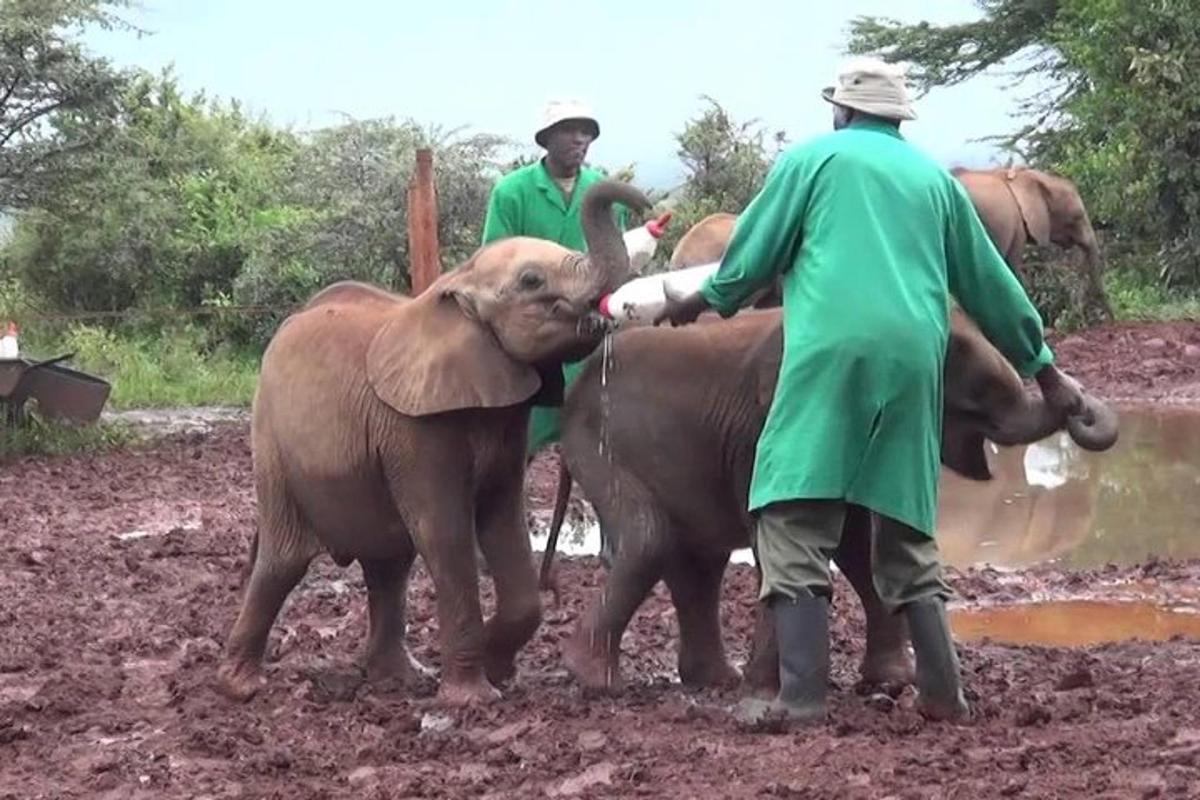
{"x":530,"y":280}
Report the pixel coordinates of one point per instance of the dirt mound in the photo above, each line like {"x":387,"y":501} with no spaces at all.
{"x":119,"y":578}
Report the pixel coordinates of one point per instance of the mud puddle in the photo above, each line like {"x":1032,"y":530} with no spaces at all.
{"x":1053,"y":502}
{"x":1077,"y":623}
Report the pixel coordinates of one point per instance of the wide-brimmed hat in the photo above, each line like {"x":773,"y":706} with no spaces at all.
{"x":873,"y":87}
{"x":557,"y":111}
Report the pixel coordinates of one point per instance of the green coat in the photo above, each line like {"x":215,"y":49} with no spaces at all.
{"x":527,"y":202}
{"x":871,"y":238}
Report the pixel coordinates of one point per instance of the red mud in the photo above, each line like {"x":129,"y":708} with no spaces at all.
{"x":108,"y":649}
{"x":1135,"y":362}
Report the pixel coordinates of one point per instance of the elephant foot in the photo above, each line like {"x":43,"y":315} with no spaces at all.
{"x":592,"y":670}
{"x":715,"y":673}
{"x":500,"y":668}
{"x":890,"y":669}
{"x":399,"y":665}
{"x":471,"y":692}
{"x":239,"y":680}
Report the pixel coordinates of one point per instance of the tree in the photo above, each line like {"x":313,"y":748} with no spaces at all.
{"x":726,"y":162}
{"x":1118,"y":113}
{"x":168,"y":207}
{"x":55,"y":98}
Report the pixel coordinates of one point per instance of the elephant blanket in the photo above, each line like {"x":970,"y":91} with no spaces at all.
{"x":872,"y":238}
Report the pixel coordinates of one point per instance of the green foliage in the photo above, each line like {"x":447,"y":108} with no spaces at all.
{"x":39,"y":437}
{"x":56,"y":100}
{"x":726,"y":163}
{"x":1117,"y":111}
{"x":194,"y":204}
{"x":173,"y":366}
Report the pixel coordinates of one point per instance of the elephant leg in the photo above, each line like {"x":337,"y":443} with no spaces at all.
{"x":761,"y":674}
{"x":886,"y":660}
{"x":443,"y":529}
{"x":284,"y":546}
{"x":593,"y":652}
{"x":504,"y":539}
{"x":387,"y":587}
{"x":695,"y":584}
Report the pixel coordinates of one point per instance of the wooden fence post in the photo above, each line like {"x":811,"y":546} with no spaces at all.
{"x":424,"y":260}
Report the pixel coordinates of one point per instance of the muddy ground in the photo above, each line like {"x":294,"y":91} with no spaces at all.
{"x":119,"y":578}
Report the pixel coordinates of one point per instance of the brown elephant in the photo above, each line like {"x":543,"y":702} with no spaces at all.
{"x":1019,"y":204}
{"x":663,"y":449}
{"x":704,"y":242}
{"x":386,"y":426}
{"x":678,"y":515}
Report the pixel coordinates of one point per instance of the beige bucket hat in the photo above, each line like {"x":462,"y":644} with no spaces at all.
{"x":873,"y":87}
{"x":557,"y":111}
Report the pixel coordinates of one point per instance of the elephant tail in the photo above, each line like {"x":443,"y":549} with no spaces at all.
{"x":546,"y":581}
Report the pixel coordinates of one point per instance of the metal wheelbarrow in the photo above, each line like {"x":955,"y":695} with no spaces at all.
{"x":61,"y":393}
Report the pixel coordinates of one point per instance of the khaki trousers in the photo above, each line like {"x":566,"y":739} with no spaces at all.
{"x":795,"y":541}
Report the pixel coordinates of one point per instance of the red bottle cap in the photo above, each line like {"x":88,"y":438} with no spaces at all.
{"x":657,"y":226}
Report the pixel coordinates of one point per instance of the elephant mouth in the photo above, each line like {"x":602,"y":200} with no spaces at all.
{"x":593,"y":325}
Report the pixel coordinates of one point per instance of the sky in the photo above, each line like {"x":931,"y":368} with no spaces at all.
{"x":490,"y":66}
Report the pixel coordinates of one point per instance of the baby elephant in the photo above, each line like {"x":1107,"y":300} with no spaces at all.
{"x":662,"y":442}
{"x":387,"y":426}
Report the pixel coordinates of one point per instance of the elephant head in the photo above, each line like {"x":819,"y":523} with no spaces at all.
{"x":1020,"y":204}
{"x":495,"y":331}
{"x":986,"y":399}
{"x":1053,"y":211}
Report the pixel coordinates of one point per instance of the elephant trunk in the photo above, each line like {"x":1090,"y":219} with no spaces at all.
{"x":607,"y":263}
{"x":1096,"y":429}
{"x":1091,"y":260}
{"x":1030,"y":422}
{"x":1034,"y":420}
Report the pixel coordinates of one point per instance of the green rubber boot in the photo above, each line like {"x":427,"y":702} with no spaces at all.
{"x":939,"y":688}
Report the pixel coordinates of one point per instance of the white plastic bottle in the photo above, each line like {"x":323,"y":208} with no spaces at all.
{"x":642,"y":242}
{"x":640,"y":300}
{"x":9,"y":347}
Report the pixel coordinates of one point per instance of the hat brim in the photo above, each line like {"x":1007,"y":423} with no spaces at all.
{"x":540,"y":136}
{"x":887,"y":113}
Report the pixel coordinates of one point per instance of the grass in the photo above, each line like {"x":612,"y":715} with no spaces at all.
{"x":170,"y":368}
{"x":38,"y":437}
{"x":1135,"y":300}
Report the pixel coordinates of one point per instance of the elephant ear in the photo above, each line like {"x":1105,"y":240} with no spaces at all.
{"x":963,"y":448}
{"x":434,"y":355}
{"x":1032,"y":199}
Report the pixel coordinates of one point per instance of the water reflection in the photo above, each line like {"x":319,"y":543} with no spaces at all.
{"x":1054,"y":501}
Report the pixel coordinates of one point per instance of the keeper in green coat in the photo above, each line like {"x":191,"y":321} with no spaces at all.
{"x":870,"y":238}
{"x":543,"y":199}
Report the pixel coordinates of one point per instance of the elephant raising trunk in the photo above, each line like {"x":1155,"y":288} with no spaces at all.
{"x":607,"y":261}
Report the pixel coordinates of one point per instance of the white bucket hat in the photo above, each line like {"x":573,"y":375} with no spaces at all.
{"x":557,"y":111}
{"x":873,"y":87}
